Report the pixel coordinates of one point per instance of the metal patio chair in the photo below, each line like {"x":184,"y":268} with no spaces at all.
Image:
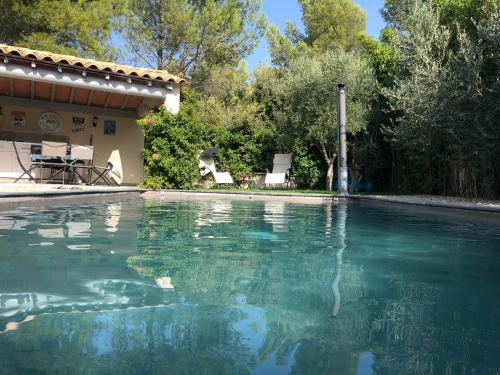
{"x":81,"y":162}
{"x":52,"y":155}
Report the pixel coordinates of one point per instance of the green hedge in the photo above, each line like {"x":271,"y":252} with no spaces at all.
{"x":173,"y":143}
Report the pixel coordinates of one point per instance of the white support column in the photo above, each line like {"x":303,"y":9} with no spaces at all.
{"x":173,"y":99}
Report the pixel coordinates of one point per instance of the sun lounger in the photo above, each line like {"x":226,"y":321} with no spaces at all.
{"x":112,"y":173}
{"x":206,"y":164}
{"x":282,"y":164}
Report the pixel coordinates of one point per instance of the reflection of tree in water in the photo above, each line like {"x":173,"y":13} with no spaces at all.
{"x":426,"y":292}
{"x":289,"y":276}
{"x":384,"y":309}
{"x":242,"y":291}
{"x":69,"y":258}
{"x":193,"y":340}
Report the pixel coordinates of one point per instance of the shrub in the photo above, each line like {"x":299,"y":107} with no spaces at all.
{"x":172,"y":144}
{"x":304,"y":166}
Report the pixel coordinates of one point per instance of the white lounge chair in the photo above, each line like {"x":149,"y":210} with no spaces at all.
{"x":206,"y":164}
{"x":282,"y":164}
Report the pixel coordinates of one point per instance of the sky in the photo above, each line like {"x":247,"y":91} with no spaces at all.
{"x":280,"y":11}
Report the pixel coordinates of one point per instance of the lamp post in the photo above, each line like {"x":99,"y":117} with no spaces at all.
{"x":341,"y":140}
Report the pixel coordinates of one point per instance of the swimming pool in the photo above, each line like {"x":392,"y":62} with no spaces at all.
{"x":244,"y":287}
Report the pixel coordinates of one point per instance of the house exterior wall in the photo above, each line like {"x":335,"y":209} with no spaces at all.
{"x":129,"y":138}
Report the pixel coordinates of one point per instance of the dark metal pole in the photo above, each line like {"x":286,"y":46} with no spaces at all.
{"x":341,"y":140}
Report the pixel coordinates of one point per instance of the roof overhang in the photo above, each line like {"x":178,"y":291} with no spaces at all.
{"x":82,"y":64}
{"x":38,"y":76}
{"x":73,"y":80}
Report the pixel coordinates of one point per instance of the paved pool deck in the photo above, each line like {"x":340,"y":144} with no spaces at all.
{"x":434,"y":201}
{"x":10,"y":190}
{"x":14,"y":195}
{"x":238,"y":195}
{"x":21,"y":194}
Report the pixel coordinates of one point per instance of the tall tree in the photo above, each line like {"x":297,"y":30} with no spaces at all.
{"x":447,"y":101}
{"x":328,"y":24}
{"x":332,"y":24}
{"x":464,"y":13}
{"x":308,"y":107}
{"x":285,"y":47}
{"x":18,"y":17}
{"x":311,"y":68}
{"x":81,"y":27}
{"x":188,"y":36}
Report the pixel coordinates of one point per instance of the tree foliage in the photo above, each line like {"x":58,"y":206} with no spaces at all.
{"x":328,"y":24}
{"x":173,"y":142}
{"x":331,"y":24}
{"x":76,"y":27}
{"x":461,"y":12}
{"x":189,"y":37}
{"x":445,"y":134}
{"x":309,"y":100}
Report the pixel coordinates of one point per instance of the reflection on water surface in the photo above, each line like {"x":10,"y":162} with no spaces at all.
{"x":232,"y":287}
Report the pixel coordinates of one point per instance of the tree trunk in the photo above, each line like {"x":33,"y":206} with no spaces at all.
{"x":329,"y":162}
{"x":329,"y":175}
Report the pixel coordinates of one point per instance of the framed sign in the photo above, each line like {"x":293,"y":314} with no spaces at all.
{"x":78,"y":125}
{"x":18,"y":119}
{"x":50,"y":122}
{"x":109,"y":127}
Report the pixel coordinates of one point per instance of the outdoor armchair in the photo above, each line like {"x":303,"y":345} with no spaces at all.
{"x":81,"y":161}
{"x":50,"y":155}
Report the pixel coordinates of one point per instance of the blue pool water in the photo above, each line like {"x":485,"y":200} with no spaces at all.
{"x":129,"y":286}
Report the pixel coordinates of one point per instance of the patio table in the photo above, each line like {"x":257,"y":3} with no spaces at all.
{"x":245,"y":181}
{"x":66,"y":164}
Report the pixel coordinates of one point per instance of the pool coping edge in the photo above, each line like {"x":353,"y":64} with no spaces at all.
{"x":13,"y":198}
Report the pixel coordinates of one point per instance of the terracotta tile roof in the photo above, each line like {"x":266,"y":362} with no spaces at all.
{"x":77,"y":62}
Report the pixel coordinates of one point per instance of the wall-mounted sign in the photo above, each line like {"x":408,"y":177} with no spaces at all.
{"x":18,"y":119}
{"x":50,"y":122}
{"x":109,"y":127}
{"x":78,"y":125}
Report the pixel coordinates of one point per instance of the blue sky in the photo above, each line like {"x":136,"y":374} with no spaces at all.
{"x":280,"y":11}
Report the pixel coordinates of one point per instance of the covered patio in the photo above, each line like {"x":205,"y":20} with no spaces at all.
{"x":46,"y":97}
